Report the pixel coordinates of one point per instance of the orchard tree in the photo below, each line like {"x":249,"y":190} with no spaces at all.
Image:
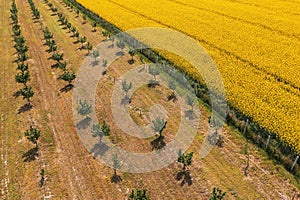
{"x":104,"y":65}
{"x":76,"y":34}
{"x":121,"y":45}
{"x":82,"y":40}
{"x":185,"y":159}
{"x":100,"y":131}
{"x":84,"y":109}
{"x":132,"y":53}
{"x":126,"y":87}
{"x":94,"y":25}
{"x":23,"y":77}
{"x":22,"y":57}
{"x":22,"y":67}
{"x":154,"y":71}
{"x":95,"y":54}
{"x":27,"y":93}
{"x":217,"y":194}
{"x":84,"y":19}
{"x":68,"y":76}
{"x":158,"y":125}
{"x":89,"y":47}
{"x":190,"y":101}
{"x":116,"y":166}
{"x":62,"y":65}
{"x":138,"y":195}
{"x":57,"y":57}
{"x":33,"y":135}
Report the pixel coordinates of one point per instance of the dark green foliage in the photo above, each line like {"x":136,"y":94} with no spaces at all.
{"x":33,"y":135}
{"x":22,"y":67}
{"x":22,"y":77}
{"x":57,"y":56}
{"x":62,"y":65}
{"x":82,"y":40}
{"x":89,"y":47}
{"x":68,"y":76}
{"x":27,"y":92}
{"x":217,"y":194}
{"x":139,"y":195}
{"x":35,"y":11}
{"x":132,"y":53}
{"x":185,"y":159}
{"x":94,"y":25}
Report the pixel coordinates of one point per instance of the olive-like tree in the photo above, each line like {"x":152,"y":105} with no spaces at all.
{"x":126,"y":87}
{"x":190,"y":101}
{"x":154,"y":71}
{"x":158,"y":125}
{"x":100,"y":130}
{"x":84,"y":109}
{"x":132,"y":53}
{"x":95,"y":54}
{"x":116,"y":164}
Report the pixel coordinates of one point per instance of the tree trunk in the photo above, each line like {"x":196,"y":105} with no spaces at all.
{"x":295,"y":162}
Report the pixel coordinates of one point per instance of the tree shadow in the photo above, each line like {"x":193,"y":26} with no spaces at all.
{"x":54,"y":66}
{"x":158,"y":143}
{"x":120,"y":53}
{"x":99,"y":149}
{"x":94,"y":63}
{"x":26,"y":107}
{"x":111,"y":46}
{"x":172,"y":97}
{"x":67,"y":88}
{"x":186,"y":178}
{"x":130,"y":61}
{"x":190,"y":114}
{"x":30,"y":155}
{"x":115,"y":178}
{"x":125,"y":101}
{"x":153,"y":84}
{"x":83,"y":124}
{"x":17,"y":94}
{"x":215,"y":139}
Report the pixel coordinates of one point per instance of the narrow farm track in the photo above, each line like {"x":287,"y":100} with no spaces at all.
{"x":4,"y":73}
{"x":8,"y":161}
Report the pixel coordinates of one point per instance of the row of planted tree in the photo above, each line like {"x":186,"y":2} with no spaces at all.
{"x":23,"y":77}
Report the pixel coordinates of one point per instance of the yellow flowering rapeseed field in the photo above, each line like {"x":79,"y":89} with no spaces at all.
{"x":255,"y":44}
